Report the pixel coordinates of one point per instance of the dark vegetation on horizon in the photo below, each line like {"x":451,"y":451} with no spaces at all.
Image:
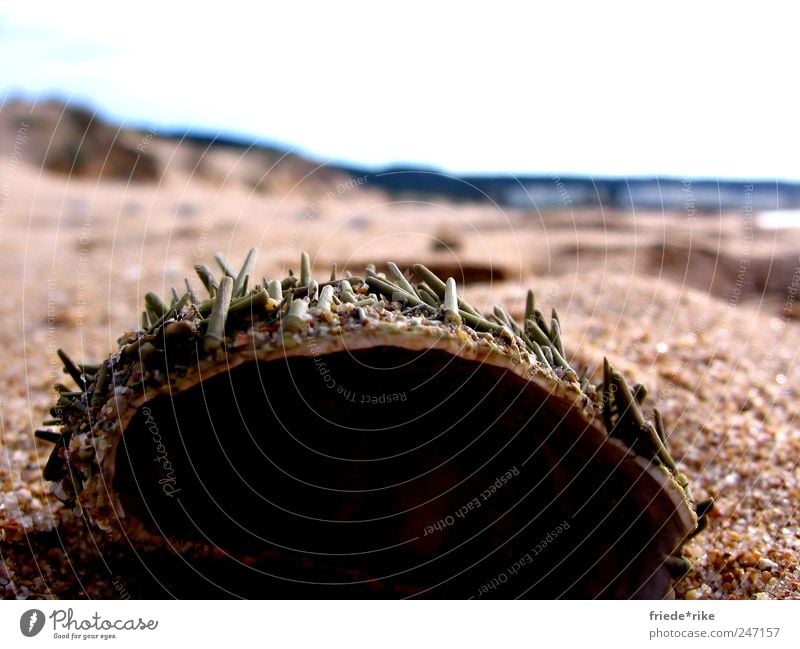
{"x":74,"y":140}
{"x":553,"y":191}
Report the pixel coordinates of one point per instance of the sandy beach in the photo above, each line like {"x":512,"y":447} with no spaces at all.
{"x":700,"y":309}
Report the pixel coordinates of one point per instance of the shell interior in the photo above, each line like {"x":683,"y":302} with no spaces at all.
{"x":372,"y":437}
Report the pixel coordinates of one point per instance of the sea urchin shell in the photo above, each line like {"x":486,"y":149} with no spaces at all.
{"x":372,"y":435}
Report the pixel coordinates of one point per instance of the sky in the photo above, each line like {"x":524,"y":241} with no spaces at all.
{"x":682,"y":89}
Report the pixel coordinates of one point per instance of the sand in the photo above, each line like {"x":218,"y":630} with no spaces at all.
{"x":664,"y":297}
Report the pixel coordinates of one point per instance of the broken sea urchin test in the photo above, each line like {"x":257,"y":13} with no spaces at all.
{"x":372,"y":435}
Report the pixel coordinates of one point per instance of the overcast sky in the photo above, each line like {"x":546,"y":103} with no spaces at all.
{"x":605,"y":89}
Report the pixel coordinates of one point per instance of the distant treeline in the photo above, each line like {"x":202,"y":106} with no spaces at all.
{"x":552,"y":191}
{"x":72,"y":139}
{"x":700,"y":195}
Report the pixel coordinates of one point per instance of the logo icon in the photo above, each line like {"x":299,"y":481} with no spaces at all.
{"x":31,"y":622}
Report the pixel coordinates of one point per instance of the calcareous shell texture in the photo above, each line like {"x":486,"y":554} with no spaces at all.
{"x":371,"y":435}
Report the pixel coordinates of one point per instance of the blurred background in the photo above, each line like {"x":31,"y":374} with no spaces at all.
{"x":636,"y":164}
